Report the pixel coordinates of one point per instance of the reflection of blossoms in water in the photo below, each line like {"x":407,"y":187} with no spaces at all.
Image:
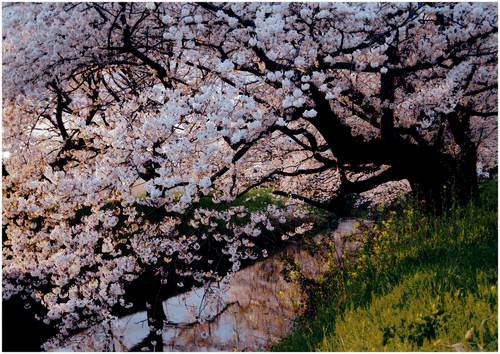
{"x":250,"y":309}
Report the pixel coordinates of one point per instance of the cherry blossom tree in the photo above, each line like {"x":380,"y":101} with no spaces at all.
{"x":207,"y":101}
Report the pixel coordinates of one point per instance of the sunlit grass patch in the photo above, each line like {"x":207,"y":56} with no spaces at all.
{"x":417,"y":283}
{"x":417,"y":316}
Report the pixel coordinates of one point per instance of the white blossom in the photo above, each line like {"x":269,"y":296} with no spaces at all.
{"x":205,"y":182}
{"x":310,"y":113}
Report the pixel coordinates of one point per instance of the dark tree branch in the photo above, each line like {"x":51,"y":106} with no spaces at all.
{"x":475,"y":113}
{"x":309,"y":171}
{"x":61,"y":105}
{"x":361,"y":168}
{"x":438,"y":142}
{"x":387,"y":96}
{"x":95,"y":96}
{"x":304,"y":199}
{"x":112,"y":93}
{"x":484,"y":89}
{"x":390,"y":174}
{"x":413,"y":132}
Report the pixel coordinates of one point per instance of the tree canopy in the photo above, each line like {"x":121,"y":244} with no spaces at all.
{"x":208,"y":101}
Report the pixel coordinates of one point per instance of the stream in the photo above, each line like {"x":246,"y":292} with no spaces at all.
{"x":256,"y":311}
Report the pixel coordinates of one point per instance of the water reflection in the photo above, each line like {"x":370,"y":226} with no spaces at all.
{"x":257,"y":310}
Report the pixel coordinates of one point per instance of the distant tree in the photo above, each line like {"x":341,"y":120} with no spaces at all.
{"x":211,"y":100}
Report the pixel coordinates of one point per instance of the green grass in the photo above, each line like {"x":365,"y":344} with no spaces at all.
{"x":417,"y":283}
{"x":254,"y":200}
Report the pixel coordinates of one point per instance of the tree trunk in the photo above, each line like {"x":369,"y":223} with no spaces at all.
{"x":466,"y":179}
{"x":467,"y":167}
{"x":429,"y":179}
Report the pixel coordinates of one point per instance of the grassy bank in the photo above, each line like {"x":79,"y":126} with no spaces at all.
{"x":416,"y":283}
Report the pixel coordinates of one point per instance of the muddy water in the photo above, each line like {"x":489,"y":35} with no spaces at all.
{"x":256,"y":311}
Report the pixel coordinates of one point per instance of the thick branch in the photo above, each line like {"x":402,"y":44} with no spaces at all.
{"x":365,"y":185}
{"x":304,"y":199}
{"x":484,"y":89}
{"x":292,"y":132}
{"x":413,"y":132}
{"x":61,"y":105}
{"x":475,"y":113}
